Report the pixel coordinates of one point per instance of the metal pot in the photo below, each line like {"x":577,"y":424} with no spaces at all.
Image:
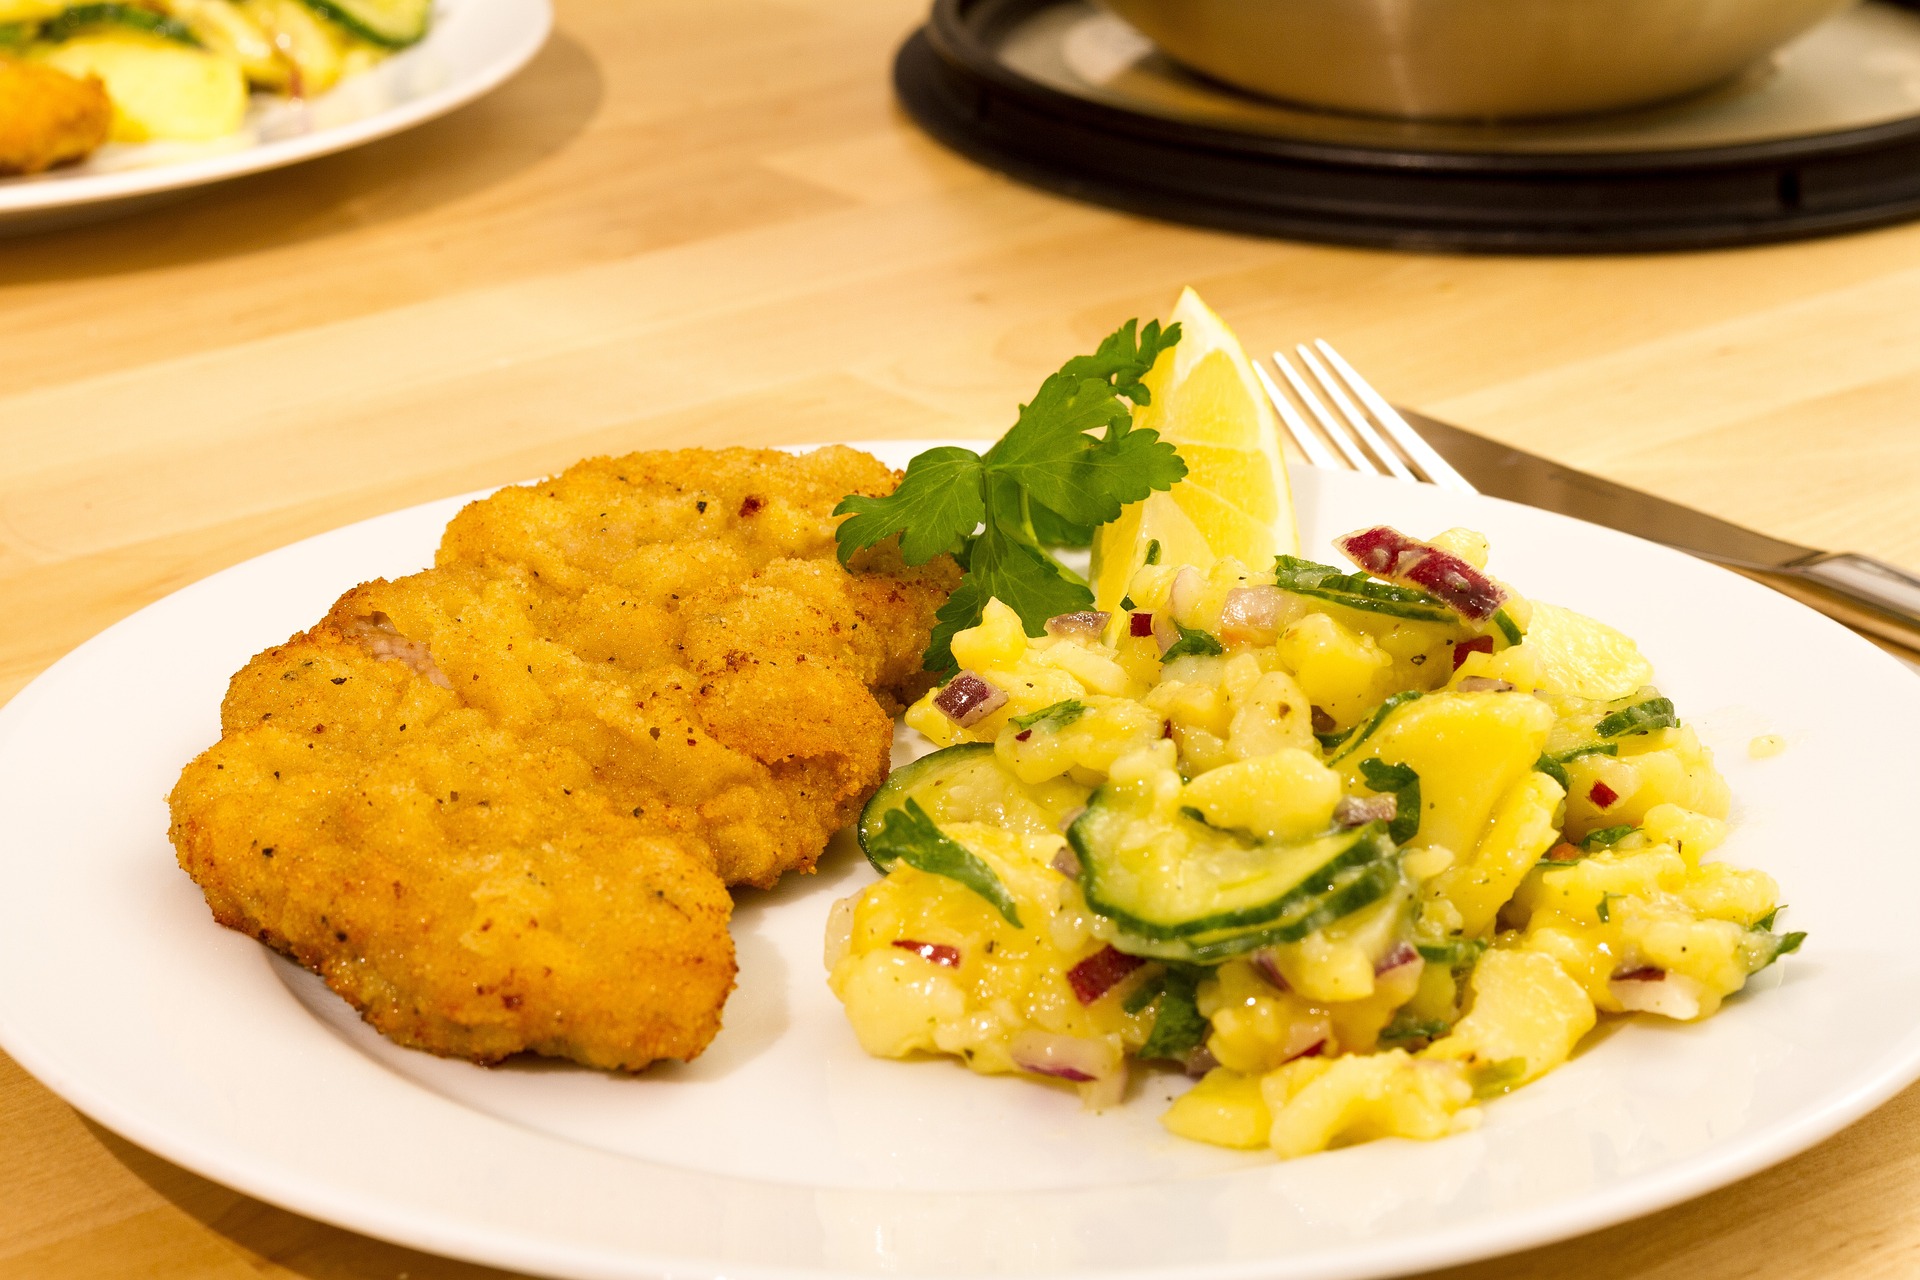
{"x":1472,"y":59}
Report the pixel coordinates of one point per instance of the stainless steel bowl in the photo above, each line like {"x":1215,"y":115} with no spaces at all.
{"x":1472,"y":59}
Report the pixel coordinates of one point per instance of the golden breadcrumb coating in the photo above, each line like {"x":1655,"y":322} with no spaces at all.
{"x":48,"y":117}
{"x":504,"y":796}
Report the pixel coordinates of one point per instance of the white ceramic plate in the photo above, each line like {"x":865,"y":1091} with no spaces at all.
{"x":472,"y":47}
{"x":785,"y":1152}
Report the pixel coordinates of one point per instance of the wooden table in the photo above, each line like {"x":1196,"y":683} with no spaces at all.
{"x":704,"y":221}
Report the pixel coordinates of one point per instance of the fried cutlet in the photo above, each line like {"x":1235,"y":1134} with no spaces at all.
{"x":496,"y":804}
{"x":48,"y":117}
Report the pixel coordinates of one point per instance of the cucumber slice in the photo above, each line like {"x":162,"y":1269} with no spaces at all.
{"x":391,"y":24}
{"x":83,"y":18}
{"x":1183,"y":889}
{"x":962,"y":783}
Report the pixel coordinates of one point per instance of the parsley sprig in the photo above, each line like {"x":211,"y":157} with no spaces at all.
{"x":1049,"y":482}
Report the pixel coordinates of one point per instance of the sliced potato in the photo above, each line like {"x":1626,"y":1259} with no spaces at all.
{"x":29,"y":10}
{"x":313,"y":47}
{"x":160,"y":89}
{"x":225,"y":29}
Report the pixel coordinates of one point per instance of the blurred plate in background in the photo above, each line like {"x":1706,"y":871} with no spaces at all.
{"x":473,"y":47}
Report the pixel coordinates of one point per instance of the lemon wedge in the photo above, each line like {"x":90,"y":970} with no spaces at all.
{"x":1235,"y":500}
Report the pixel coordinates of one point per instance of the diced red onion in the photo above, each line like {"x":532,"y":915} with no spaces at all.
{"x":1099,"y":973}
{"x":1067,"y":862}
{"x":1251,"y":615}
{"x":1165,"y":633}
{"x":1403,"y":954}
{"x":1313,"y":1050}
{"x":1109,"y":1090}
{"x":1072,"y":1058}
{"x":1483,"y":684}
{"x":967,"y":700}
{"x":1088,"y":624}
{"x":1602,"y":795}
{"x":1669,"y":995}
{"x":1023,"y":735}
{"x":1185,"y":592}
{"x":1139,"y":625}
{"x":1263,"y":961}
{"x":1479,"y":644}
{"x":1564,"y":852}
{"x":1387,"y":553}
{"x":1357,"y":811}
{"x":1645,"y":973}
{"x":1306,"y":1037}
{"x":933,"y":952}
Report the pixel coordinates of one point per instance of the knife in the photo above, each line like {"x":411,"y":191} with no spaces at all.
{"x":1866,"y":594}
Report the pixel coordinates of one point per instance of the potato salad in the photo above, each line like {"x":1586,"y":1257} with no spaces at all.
{"x":1356,"y":849}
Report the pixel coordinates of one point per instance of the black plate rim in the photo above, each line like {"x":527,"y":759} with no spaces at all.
{"x":945,"y":100}
{"x":956,"y":29}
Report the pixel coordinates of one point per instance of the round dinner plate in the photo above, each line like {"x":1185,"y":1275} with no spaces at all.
{"x":472,"y":47}
{"x":785,"y":1153}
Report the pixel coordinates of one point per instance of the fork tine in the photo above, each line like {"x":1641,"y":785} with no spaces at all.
{"x":1381,"y":450}
{"x":1341,"y":437}
{"x":1318,"y":454}
{"x":1424,"y":456}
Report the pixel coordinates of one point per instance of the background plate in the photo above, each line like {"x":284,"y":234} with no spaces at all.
{"x":785,"y":1152}
{"x":473,"y":46}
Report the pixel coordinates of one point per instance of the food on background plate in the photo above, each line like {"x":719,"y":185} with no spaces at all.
{"x":183,"y":70}
{"x":1356,"y":848}
{"x":496,"y":804}
{"x":48,"y":117}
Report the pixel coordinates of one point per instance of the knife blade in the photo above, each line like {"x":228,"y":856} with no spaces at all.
{"x":1864,"y":593}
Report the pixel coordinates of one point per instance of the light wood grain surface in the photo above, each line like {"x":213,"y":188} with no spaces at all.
{"x":704,"y":221}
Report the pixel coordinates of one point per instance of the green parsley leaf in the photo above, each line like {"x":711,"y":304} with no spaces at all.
{"x":1605,"y":837}
{"x":1018,"y":575}
{"x":1053,"y":718}
{"x":1605,"y":910}
{"x":1554,"y":764}
{"x":1145,"y":994}
{"x":1405,"y":1028}
{"x":1178,"y":1028}
{"x":1153,"y":551}
{"x":1497,"y":1078}
{"x":1192,"y":642}
{"x":909,"y":835}
{"x":1357,"y":591}
{"x":1641,"y":717}
{"x":937,"y":504}
{"x":1403,"y":784}
{"x":1049,"y":482}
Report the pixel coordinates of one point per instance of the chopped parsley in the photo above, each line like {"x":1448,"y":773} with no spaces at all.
{"x":909,"y":835}
{"x":1047,"y":482}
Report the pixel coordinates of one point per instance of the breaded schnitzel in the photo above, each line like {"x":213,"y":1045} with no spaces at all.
{"x":48,"y":117}
{"x":496,"y":804}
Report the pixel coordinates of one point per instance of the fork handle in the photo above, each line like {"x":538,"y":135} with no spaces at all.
{"x":1860,"y":591}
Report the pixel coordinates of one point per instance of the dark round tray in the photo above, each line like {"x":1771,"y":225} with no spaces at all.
{"x":951,"y":81}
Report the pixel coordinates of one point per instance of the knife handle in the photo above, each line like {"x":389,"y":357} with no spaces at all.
{"x":1862,"y":592}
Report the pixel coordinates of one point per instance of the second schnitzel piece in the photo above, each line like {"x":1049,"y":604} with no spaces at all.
{"x":703,"y":583}
{"x":48,"y":117}
{"x":496,"y":804}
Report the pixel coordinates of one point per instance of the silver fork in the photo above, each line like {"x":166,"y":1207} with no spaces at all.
{"x":1383,"y":445}
{"x":1381,"y":442}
